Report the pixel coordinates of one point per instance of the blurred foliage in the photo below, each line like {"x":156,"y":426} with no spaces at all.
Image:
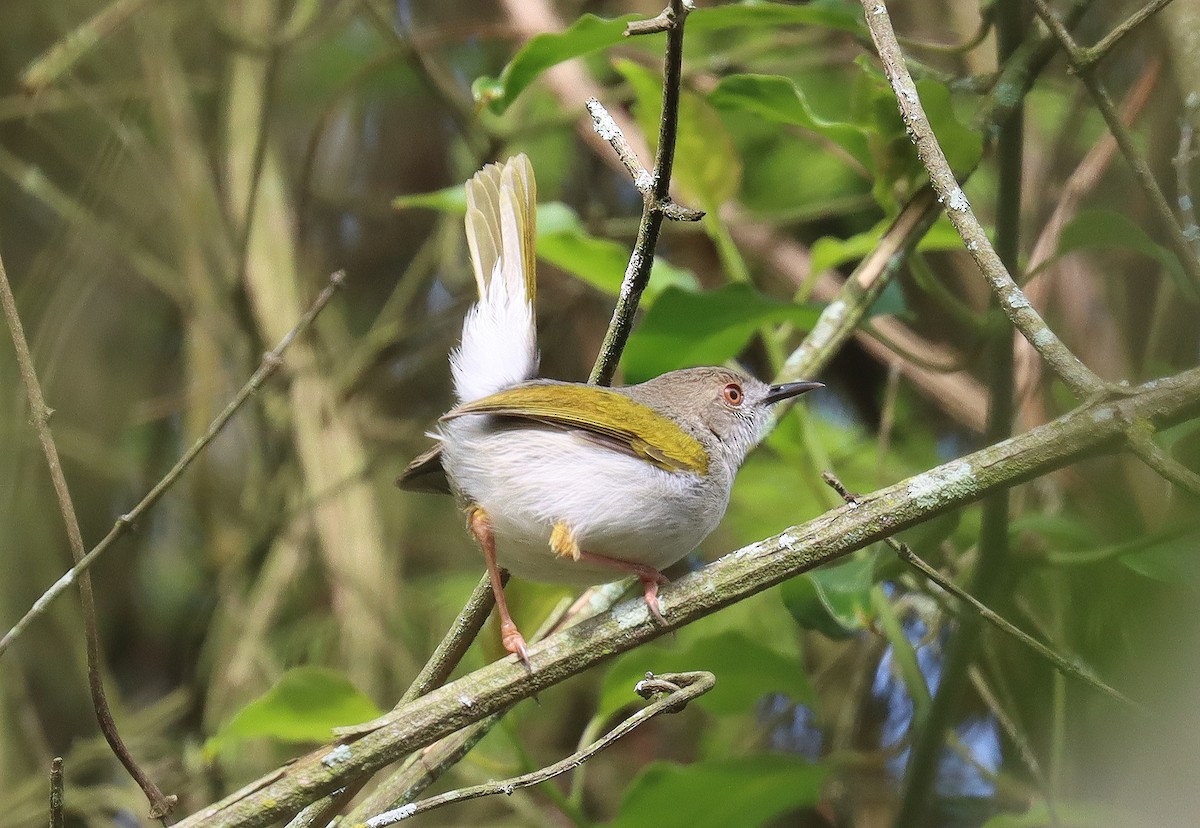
{"x":177,"y":180}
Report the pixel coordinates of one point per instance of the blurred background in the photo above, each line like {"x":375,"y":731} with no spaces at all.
{"x":177,"y":181}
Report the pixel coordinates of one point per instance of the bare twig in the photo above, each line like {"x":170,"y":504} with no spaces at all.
{"x":1090,"y":57}
{"x":57,"y":797}
{"x":1095,"y":426}
{"x":1140,"y":435}
{"x":65,"y":53}
{"x":1077,"y":59}
{"x":674,"y":690}
{"x":1067,"y":666}
{"x":1077,"y":376}
{"x":160,"y":805}
{"x":269,"y":365}
{"x":637,"y":275}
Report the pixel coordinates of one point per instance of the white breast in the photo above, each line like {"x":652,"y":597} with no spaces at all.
{"x":529,"y":478}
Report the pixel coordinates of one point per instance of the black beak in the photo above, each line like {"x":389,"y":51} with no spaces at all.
{"x":788,"y":390}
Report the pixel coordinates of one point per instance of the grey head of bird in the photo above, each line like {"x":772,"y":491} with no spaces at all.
{"x":725,"y":410}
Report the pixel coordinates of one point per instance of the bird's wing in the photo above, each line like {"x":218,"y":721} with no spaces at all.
{"x":629,"y":425}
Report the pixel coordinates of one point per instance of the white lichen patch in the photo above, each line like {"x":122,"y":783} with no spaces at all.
{"x":1043,"y":338}
{"x":631,"y":614}
{"x":942,"y":484}
{"x":1016,"y":299}
{"x":1101,"y":415}
{"x":958,"y":200}
{"x":393,"y":816}
{"x":339,"y":754}
{"x":465,"y":701}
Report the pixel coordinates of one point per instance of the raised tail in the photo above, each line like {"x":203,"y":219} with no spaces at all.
{"x":499,"y":339}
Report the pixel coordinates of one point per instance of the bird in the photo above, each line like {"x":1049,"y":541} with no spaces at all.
{"x":566,"y":482}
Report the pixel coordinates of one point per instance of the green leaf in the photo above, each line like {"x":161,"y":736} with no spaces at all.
{"x":586,"y":35}
{"x":707,"y":167}
{"x":830,"y":252}
{"x":562,"y":242}
{"x":303,"y":706}
{"x":688,"y":329}
{"x":962,"y":145}
{"x":1110,"y":230}
{"x":746,"y":670}
{"x":834,"y":600}
{"x":451,"y":200}
{"x":742,"y":791}
{"x":832,"y":14}
{"x":779,"y":99}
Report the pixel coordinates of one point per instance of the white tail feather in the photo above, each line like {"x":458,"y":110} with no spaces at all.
{"x":499,"y":340}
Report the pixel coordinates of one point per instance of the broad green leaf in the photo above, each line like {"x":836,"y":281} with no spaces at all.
{"x":746,"y":670}
{"x":962,"y":145}
{"x":742,"y":791}
{"x":688,"y":329}
{"x":1110,"y":230}
{"x":834,"y":600}
{"x":830,"y":252}
{"x":562,"y":242}
{"x":779,"y":99}
{"x":831,"y":14}
{"x":303,"y":706}
{"x":586,"y":35}
{"x":707,"y":167}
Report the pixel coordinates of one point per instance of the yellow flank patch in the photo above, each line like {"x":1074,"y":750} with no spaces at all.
{"x":562,"y":541}
{"x":642,"y":430}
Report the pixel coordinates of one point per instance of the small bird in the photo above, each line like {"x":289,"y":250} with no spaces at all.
{"x":565,"y":482}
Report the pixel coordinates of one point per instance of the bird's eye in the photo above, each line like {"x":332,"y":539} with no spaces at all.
{"x":733,"y":394}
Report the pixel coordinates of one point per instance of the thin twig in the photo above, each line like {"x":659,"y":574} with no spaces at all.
{"x":1090,"y":57}
{"x":1140,"y":435}
{"x":1095,"y":426}
{"x":57,"y":794}
{"x":675,"y":691}
{"x":67,"y":51}
{"x":269,"y":365}
{"x":1077,"y":59}
{"x":637,"y":274}
{"x":1077,"y":376}
{"x":1067,"y":666}
{"x":160,"y":804}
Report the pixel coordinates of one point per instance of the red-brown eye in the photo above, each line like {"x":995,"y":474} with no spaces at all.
{"x":733,"y":394}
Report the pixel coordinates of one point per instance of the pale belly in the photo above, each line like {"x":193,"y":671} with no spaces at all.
{"x":617,"y":505}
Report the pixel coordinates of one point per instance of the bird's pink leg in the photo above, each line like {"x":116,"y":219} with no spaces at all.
{"x":481,"y":527}
{"x":650,"y":577}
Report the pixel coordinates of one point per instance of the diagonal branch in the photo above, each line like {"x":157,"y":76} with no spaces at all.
{"x":637,"y":275}
{"x":1078,"y":377}
{"x":1096,"y":426}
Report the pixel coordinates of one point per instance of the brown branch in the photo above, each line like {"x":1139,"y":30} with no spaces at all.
{"x":269,"y":365}
{"x":160,"y":805}
{"x":1077,"y":376}
{"x":674,"y":690}
{"x":1095,"y":426}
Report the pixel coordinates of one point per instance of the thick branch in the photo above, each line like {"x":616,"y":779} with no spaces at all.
{"x":1092,"y":428}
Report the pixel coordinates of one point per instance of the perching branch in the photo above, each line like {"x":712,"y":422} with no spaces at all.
{"x":637,"y":275}
{"x":1095,"y":426}
{"x":269,"y":365}
{"x":675,"y":691}
{"x":57,"y":794}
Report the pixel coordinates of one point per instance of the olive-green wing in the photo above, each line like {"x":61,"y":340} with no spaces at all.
{"x":601,"y":412}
